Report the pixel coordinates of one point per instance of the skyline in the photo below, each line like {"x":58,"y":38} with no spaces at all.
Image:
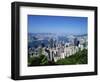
{"x":57,"y":24}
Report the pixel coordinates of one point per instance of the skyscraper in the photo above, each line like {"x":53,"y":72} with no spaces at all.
{"x":76,"y":42}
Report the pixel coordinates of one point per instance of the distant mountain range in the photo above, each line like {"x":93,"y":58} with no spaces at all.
{"x":35,"y":39}
{"x":46,"y":36}
{"x":31,"y":34}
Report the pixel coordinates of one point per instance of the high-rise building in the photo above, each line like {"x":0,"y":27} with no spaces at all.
{"x":76,"y":42}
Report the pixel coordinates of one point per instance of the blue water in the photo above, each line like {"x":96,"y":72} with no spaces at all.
{"x":38,"y":43}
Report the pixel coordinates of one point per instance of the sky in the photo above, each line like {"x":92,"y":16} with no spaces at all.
{"x":57,"y":24}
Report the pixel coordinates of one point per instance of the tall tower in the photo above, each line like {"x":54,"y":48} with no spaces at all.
{"x":76,"y":42}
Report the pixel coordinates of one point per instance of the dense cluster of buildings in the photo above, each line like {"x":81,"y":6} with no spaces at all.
{"x":56,"y":50}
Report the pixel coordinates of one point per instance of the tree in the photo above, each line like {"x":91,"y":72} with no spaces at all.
{"x":34,"y":61}
{"x":43,"y":60}
{"x":37,"y":61}
{"x":40,"y":51}
{"x":77,"y":58}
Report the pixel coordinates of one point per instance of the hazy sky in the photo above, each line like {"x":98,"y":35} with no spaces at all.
{"x":57,"y":24}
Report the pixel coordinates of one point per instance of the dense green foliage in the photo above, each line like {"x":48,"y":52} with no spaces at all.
{"x":77,"y":58}
{"x":41,"y":60}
